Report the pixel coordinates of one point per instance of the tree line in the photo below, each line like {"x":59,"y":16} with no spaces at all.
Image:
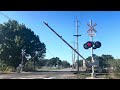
{"x":54,"y":62}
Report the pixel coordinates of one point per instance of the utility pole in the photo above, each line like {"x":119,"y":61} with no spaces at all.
{"x":73,"y":56}
{"x":72,"y":60}
{"x":77,"y":46}
{"x":34,"y":63}
{"x":91,"y":33}
{"x":21,"y":65}
{"x":35,"y":58}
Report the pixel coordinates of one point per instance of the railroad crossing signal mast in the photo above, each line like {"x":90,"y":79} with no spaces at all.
{"x":92,"y":32}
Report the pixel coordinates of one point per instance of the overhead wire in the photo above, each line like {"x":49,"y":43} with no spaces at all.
{"x":5,"y":15}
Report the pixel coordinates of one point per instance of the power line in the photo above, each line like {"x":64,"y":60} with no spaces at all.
{"x":50,"y":53}
{"x":5,"y":15}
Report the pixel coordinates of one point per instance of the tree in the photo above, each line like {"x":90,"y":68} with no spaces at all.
{"x":66,"y":64}
{"x":13,"y":38}
{"x":54,"y":61}
{"x":42,"y":62}
{"x":104,"y":60}
{"x":80,"y":62}
{"x":107,"y":57}
{"x":88,"y":59}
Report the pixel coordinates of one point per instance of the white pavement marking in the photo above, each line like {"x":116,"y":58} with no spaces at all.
{"x":50,"y":78}
{"x":34,"y":78}
{"x":28,"y":78}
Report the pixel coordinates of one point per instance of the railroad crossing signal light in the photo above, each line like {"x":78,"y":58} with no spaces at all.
{"x":97,"y":44}
{"x":90,"y":44}
{"x":87,"y":45}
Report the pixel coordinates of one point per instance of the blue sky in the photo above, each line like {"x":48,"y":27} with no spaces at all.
{"x":63,"y":22}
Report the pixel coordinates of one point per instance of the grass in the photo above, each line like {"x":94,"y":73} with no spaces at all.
{"x":114,"y":76}
{"x":83,"y":75}
{"x":86,"y":75}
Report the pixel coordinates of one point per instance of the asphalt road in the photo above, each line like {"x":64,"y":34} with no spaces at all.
{"x":55,"y":74}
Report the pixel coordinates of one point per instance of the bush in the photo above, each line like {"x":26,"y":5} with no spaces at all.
{"x":28,"y":67}
{"x":6,"y":69}
{"x":115,"y":72}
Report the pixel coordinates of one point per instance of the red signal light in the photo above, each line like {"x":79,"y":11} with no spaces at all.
{"x":89,"y":44}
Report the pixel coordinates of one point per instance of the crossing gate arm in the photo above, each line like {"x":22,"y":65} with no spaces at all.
{"x":64,"y":40}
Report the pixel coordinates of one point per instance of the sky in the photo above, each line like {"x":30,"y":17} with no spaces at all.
{"x":63,"y":22}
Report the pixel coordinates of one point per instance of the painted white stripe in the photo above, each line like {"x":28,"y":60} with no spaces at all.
{"x":50,"y":78}
{"x":34,"y":78}
{"x":28,"y":78}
